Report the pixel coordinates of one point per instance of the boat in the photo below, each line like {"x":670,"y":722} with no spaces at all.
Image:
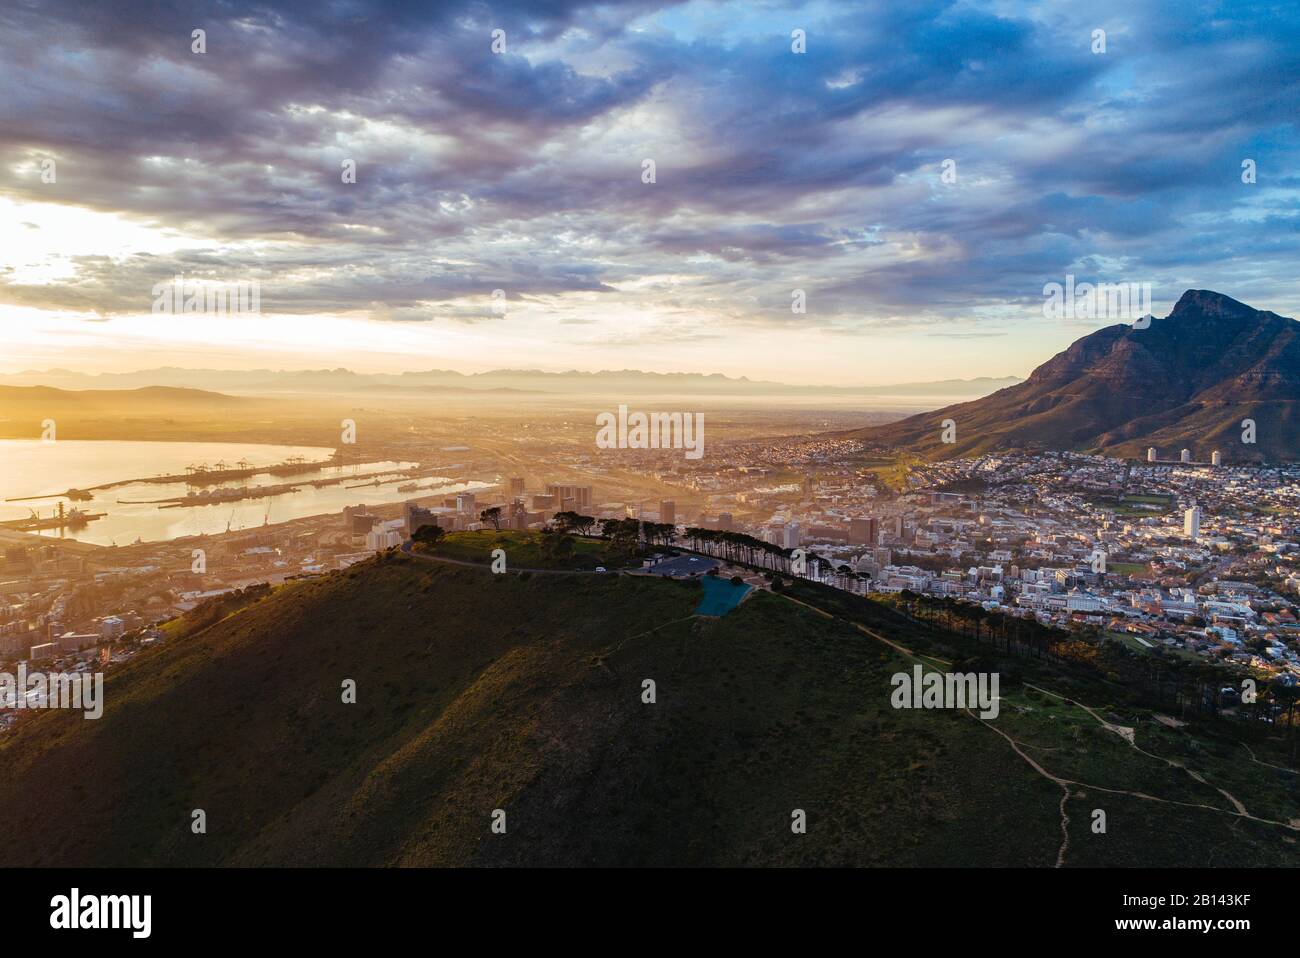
{"x":63,"y":519}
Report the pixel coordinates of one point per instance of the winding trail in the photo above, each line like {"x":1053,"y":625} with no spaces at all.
{"x":862,"y":628}
{"x":1280,"y":768}
{"x":1126,"y":733}
{"x":1064,"y":783}
{"x":1122,"y":731}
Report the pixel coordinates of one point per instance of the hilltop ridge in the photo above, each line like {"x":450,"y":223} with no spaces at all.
{"x":478,"y":692}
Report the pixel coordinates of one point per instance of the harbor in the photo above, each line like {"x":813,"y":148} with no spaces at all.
{"x":201,"y":474}
{"x":191,"y":492}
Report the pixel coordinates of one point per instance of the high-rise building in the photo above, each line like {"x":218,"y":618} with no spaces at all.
{"x":358,"y":520}
{"x":1192,"y":522}
{"x":516,"y":486}
{"x":1185,"y":455}
{"x":790,"y":536}
{"x":668,"y":511}
{"x":724,"y":521}
{"x":581,"y":496}
{"x":1216,"y":458}
{"x":417,"y":518}
{"x":465,"y":502}
{"x":380,"y":538}
{"x":1151,"y":453}
{"x":864,"y":531}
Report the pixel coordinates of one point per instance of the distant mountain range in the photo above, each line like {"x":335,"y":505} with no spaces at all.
{"x":605,"y":382}
{"x":47,"y":400}
{"x":1187,"y":380}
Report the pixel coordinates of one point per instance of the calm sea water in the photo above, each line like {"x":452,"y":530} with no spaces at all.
{"x":30,"y":467}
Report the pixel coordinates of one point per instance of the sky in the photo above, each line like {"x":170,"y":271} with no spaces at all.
{"x":127,"y":158}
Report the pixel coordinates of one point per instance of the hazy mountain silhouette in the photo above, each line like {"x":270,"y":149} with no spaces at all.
{"x":604,"y":382}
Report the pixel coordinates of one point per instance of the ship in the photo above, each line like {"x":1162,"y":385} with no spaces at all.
{"x":62,"y":519}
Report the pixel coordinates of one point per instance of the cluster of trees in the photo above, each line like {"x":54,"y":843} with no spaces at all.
{"x":569,"y":521}
{"x":624,"y":537}
{"x":740,"y":547}
{"x":557,"y":544}
{"x":637,"y":531}
{"x":213,"y":610}
{"x":1011,"y":634}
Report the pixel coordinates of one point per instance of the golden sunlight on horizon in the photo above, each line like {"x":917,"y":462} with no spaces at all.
{"x":48,"y":243}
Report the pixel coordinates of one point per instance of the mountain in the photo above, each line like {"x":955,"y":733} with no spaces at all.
{"x":1186,"y":381}
{"x":631,"y":382}
{"x":477,"y":692}
{"x":38,"y":402}
{"x":121,"y":398}
{"x":161,"y":413}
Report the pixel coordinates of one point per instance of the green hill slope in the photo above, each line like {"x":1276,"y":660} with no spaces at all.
{"x":478,"y":692}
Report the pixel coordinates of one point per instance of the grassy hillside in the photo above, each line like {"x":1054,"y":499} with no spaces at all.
{"x":524,"y":693}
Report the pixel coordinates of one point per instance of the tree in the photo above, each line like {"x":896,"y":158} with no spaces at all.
{"x":1284,"y":695}
{"x":624,"y":537}
{"x":429,"y":534}
{"x":492,"y":515}
{"x":570,"y":521}
{"x":557,"y":544}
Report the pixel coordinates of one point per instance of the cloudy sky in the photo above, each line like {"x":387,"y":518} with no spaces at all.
{"x":522,"y":171}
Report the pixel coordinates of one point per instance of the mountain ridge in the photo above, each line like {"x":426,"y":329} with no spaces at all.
{"x":1186,"y":380}
{"x":254,"y":381}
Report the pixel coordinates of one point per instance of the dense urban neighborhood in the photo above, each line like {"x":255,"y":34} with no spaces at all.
{"x":1193,"y":559}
